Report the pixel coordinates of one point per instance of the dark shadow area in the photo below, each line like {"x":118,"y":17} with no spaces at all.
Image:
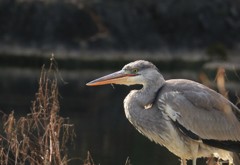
{"x":146,"y":25}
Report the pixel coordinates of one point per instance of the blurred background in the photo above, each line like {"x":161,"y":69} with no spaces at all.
{"x":89,"y":38}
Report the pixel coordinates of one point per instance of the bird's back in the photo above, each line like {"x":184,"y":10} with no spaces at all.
{"x":201,"y":113}
{"x":199,"y":95}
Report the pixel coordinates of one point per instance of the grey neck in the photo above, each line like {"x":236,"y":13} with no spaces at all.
{"x":138,"y":100}
{"x":137,"y":113}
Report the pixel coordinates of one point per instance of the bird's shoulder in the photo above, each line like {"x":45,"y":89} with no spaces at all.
{"x":182,"y":85}
{"x":195,"y":93}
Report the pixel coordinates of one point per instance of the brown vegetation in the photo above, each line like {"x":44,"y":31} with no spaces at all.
{"x":41,"y":136}
{"x":88,"y":160}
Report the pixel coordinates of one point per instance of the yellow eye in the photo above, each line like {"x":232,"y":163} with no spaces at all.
{"x":134,"y":70}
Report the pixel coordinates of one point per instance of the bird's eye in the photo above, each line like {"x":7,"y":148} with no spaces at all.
{"x":134,"y":70}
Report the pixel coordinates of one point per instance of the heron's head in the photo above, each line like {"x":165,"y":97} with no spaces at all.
{"x":137,"y":72}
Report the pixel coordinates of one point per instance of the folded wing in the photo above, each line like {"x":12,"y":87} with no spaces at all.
{"x":203,"y":113}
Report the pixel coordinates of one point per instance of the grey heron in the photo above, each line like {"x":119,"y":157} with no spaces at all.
{"x":188,"y":118}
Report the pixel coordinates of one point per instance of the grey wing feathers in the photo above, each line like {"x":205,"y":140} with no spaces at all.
{"x":205,"y":113}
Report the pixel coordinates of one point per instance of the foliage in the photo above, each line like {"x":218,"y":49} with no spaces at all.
{"x":41,"y":136}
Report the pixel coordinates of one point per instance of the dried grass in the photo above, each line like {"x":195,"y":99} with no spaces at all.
{"x":220,"y":78}
{"x":41,"y":136}
{"x":88,"y":160}
{"x":128,"y":161}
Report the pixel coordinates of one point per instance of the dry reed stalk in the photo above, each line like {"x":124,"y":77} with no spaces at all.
{"x":128,"y":161}
{"x":205,"y":80}
{"x":88,"y":160}
{"x":40,"y":137}
{"x":220,"y":78}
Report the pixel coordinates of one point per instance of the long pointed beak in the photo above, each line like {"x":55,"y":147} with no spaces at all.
{"x":119,"y":77}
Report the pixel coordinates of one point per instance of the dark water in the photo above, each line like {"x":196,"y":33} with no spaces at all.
{"x":97,"y":113}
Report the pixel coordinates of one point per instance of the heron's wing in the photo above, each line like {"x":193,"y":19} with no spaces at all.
{"x":204,"y":113}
